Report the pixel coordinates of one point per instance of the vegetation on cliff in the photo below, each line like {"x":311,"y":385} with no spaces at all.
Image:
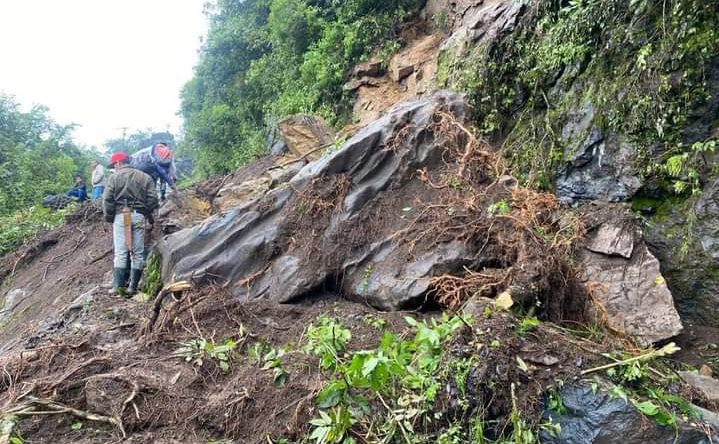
{"x":265,"y":59}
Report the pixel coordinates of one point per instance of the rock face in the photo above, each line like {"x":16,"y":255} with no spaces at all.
{"x":599,"y":166}
{"x":689,"y":251}
{"x":625,"y":282}
{"x":304,"y":134}
{"x":705,"y":384}
{"x":595,"y":417}
{"x":268,"y":247}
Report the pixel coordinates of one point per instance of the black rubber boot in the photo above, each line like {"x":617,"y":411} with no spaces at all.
{"x":119,"y":281}
{"x":135,"y":276}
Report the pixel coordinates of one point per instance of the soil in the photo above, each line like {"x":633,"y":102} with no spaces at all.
{"x":70,"y":342}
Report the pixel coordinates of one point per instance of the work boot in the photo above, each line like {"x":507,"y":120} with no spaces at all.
{"x":135,"y":276}
{"x":119,"y":281}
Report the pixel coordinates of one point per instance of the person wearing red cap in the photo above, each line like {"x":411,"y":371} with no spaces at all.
{"x":128,"y":203}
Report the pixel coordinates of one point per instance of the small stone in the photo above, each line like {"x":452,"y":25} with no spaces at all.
{"x":705,"y":370}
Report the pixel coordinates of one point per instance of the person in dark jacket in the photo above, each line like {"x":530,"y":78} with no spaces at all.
{"x":128,"y":203}
{"x":157,"y":161}
{"x":79,"y":191}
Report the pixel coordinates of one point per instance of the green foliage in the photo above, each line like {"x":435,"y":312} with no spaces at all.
{"x":37,"y":156}
{"x":500,"y":208}
{"x":17,"y":228}
{"x":271,"y":359}
{"x":328,"y":340}
{"x":526,"y":325}
{"x":197,"y":350}
{"x":152,"y":282}
{"x":643,"y":68}
{"x":403,"y":374}
{"x":265,"y":59}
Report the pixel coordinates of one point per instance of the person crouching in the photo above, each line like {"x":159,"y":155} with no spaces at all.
{"x":128,"y":203}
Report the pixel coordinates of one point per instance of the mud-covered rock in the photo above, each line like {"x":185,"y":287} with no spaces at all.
{"x":594,"y":417}
{"x":265,"y":249}
{"x":626,"y":283}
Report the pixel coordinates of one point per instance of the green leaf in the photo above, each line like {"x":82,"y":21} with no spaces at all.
{"x":76,"y":426}
{"x":647,"y":407}
{"x":412,"y":322}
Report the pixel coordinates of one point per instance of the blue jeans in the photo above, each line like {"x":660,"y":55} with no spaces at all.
{"x":137,"y":256}
{"x":97,"y":192}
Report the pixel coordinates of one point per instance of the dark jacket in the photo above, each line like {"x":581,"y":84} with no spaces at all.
{"x":79,"y":193}
{"x":145,"y":161}
{"x":130,"y":187}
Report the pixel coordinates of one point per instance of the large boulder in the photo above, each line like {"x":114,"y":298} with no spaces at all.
{"x":626,"y":284}
{"x":333,"y":226}
{"x":595,"y":417}
{"x":305,"y":135}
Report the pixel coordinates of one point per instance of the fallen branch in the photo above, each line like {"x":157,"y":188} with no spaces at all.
{"x":33,"y":406}
{"x":667,"y":350}
{"x":302,"y":157}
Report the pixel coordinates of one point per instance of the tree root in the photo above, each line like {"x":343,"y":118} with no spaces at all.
{"x":157,"y":305}
{"x":41,"y":406}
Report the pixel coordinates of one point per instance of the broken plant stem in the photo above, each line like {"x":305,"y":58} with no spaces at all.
{"x":667,"y":350}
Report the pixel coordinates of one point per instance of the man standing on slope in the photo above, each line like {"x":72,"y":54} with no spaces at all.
{"x":128,"y":201}
{"x":98,"y":179}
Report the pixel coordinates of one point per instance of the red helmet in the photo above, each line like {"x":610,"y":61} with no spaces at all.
{"x":119,"y":157}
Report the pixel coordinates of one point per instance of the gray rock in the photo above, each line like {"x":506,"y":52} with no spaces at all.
{"x":12,"y":298}
{"x":705,"y":384}
{"x":613,"y":239}
{"x":370,"y":68}
{"x":599,"y":166}
{"x":627,"y":285}
{"x":258,"y":252}
{"x":595,"y":417}
{"x":688,"y":250}
{"x":278,"y":148}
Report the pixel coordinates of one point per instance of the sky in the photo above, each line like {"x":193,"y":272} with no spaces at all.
{"x":102,"y":64}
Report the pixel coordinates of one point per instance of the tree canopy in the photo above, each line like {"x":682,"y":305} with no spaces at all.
{"x":265,"y":59}
{"x":37,"y":156}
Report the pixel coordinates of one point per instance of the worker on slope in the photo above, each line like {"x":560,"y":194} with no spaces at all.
{"x":158,"y":162}
{"x":128,"y":203}
{"x":98,"y":179}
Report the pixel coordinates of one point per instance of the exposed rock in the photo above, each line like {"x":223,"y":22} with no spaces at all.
{"x":599,"y":166}
{"x":689,"y":251}
{"x":355,"y":84}
{"x":370,"y":68}
{"x":594,"y":417}
{"x":278,"y":148}
{"x":705,"y":384}
{"x":613,"y":239}
{"x":480,"y":22}
{"x":283,"y":174}
{"x":401,"y":70}
{"x":304,"y":134}
{"x":235,"y":195}
{"x":12,"y":298}
{"x":260,"y":252}
{"x":626,"y":283}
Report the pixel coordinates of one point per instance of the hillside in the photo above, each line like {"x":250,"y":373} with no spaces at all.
{"x":501,"y":232}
